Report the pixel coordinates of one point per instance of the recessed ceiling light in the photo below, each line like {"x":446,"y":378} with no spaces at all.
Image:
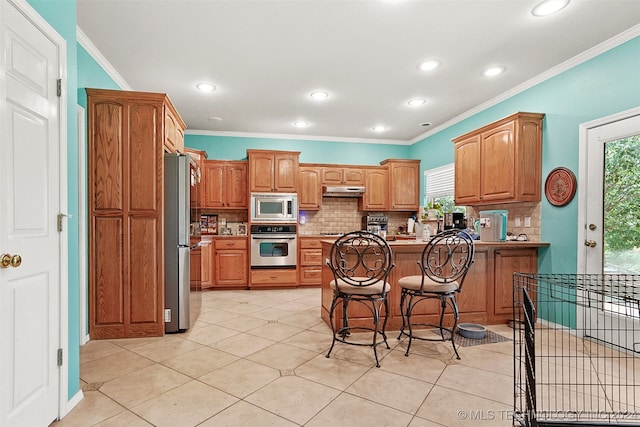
{"x":549,"y":7}
{"x":206,"y":87}
{"x":301,"y":124}
{"x":494,"y":71}
{"x":319,"y":95}
{"x":429,"y":65}
{"x":425,"y":124}
{"x":416,"y":102}
{"x":215,"y":119}
{"x":380,"y":128}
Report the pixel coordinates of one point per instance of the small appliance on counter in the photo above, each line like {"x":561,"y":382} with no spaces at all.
{"x":375,"y":223}
{"x":493,"y":225}
{"x":454,"y":220}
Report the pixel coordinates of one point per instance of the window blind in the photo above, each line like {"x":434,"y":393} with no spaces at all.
{"x":439,"y":181}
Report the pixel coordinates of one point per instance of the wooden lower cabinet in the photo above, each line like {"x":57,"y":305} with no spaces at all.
{"x":486,"y":297}
{"x":206,"y":264}
{"x":310,"y":260}
{"x":195,"y":266}
{"x":505,"y":263}
{"x":273,"y":278}
{"x":230,"y":263}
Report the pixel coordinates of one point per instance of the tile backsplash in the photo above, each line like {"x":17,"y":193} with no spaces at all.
{"x":340,"y":215}
{"x":517,"y":211}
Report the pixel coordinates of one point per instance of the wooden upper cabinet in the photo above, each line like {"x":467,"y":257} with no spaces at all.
{"x":224,"y":184}
{"x":376,"y":195}
{"x":198,"y":157}
{"x":404,"y":184}
{"x":273,"y":171}
{"x":467,"y":170}
{"x":173,"y":130}
{"x":342,"y":176}
{"x":127,"y":137}
{"x":500,"y":162}
{"x":310,"y":188}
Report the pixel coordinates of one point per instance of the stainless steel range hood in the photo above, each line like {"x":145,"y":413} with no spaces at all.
{"x":342,"y":191}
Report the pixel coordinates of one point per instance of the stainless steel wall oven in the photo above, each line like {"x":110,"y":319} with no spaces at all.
{"x":273,"y":246}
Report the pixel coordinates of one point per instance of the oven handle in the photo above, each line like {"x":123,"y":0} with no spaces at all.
{"x":273,"y":237}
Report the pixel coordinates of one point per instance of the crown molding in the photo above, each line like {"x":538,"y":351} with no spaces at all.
{"x":95,"y":53}
{"x":585,"y":56}
{"x":297,"y":137}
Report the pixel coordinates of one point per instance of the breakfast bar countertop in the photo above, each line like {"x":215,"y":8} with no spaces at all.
{"x":513,"y":244}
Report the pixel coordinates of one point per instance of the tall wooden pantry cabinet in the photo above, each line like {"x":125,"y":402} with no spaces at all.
{"x":127,"y":136}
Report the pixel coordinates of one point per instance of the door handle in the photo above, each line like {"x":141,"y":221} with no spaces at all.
{"x":7,"y":260}
{"x":590,"y":243}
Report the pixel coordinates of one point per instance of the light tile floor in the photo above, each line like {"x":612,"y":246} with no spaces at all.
{"x":257,"y":358}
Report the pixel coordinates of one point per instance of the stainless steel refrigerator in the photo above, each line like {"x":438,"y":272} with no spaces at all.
{"x":177,"y":181}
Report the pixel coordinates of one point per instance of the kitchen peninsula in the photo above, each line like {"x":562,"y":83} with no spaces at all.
{"x":486,"y":296}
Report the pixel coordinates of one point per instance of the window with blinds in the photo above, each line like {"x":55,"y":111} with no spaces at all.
{"x":439,"y":182}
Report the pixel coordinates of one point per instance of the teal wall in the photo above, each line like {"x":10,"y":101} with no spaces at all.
{"x":61,"y":15}
{"x":91,"y":75}
{"x":235,"y":148}
{"x":602,"y":86}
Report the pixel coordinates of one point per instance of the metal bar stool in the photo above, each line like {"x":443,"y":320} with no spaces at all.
{"x":360,"y":262}
{"x":444,"y":264}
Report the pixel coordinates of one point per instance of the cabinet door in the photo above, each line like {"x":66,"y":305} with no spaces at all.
{"x":376,"y":195}
{"x":231,"y":267}
{"x":206,"y":260}
{"x":236,"y":185}
{"x":342,"y":176}
{"x":261,"y":168}
{"x":179,"y":143}
{"x":286,"y":172}
{"x":195,"y":269}
{"x":353,"y":176}
{"x":405,"y":186}
{"x":467,"y":171}
{"x":529,"y":160}
{"x":498,"y":163}
{"x":331,"y":176}
{"x":213,"y":179}
{"x":310,"y":192}
{"x":193,"y":187}
{"x":508,"y":262}
{"x":170,"y":126}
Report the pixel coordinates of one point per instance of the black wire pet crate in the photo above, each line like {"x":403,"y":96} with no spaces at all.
{"x":576,"y":350}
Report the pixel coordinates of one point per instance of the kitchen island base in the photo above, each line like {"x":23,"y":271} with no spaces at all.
{"x":486,"y":296}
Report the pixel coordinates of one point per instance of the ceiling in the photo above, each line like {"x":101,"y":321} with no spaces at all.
{"x":265,"y":57}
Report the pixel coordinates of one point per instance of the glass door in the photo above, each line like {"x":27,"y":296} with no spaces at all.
{"x":612,"y":230}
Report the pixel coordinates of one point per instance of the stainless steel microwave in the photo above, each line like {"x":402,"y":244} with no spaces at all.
{"x":274,"y":207}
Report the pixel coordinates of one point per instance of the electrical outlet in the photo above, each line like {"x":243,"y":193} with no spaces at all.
{"x":517,"y":221}
{"x":527,"y":221}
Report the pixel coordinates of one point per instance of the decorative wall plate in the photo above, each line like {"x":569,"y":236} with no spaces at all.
{"x":560,"y":186}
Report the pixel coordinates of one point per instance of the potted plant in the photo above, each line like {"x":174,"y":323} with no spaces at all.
{"x":433,"y":211}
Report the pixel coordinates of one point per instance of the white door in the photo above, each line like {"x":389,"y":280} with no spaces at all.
{"x":610,"y":239}
{"x":30,"y":290}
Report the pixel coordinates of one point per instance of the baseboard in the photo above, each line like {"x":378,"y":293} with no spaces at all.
{"x":71,"y":403}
